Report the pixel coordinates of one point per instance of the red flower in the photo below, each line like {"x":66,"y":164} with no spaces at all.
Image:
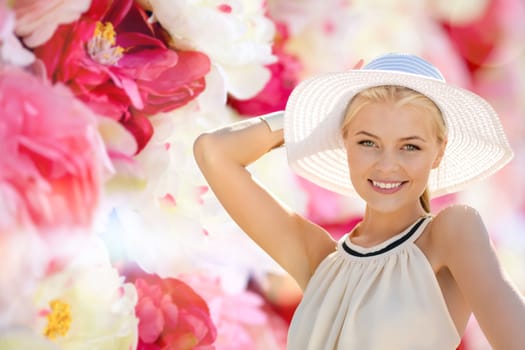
{"x":119,"y":65}
{"x":172,"y":316}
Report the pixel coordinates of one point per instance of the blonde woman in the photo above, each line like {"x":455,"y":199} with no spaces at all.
{"x":393,"y":133}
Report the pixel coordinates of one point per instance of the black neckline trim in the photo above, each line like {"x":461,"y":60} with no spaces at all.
{"x":388,"y":247}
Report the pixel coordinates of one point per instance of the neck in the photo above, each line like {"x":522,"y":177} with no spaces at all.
{"x":378,"y":226}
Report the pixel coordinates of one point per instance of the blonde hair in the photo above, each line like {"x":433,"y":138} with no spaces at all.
{"x":399,"y":96}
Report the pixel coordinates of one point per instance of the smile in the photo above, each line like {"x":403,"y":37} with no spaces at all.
{"x":387,"y":187}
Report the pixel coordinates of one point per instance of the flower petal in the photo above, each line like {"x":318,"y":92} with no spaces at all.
{"x":151,"y":320}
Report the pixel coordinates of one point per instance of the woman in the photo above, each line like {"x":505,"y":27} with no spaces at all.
{"x":393,"y":133}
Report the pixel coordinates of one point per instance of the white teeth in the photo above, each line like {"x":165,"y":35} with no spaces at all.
{"x":384,"y":185}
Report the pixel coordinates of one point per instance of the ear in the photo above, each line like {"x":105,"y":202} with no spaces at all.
{"x":440,"y":154}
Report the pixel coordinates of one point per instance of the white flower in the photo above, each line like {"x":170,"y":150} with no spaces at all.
{"x":11,"y":50}
{"x":235,"y":34}
{"x":25,"y":260}
{"x":86,"y":305}
{"x":37,"y":20}
{"x":18,"y":339}
{"x":460,"y":11}
{"x":154,"y":218}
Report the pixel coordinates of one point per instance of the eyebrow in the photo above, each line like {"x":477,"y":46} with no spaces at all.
{"x":408,"y":138}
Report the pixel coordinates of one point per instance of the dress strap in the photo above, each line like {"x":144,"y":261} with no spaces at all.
{"x":413,"y":233}
{"x":426,"y":220}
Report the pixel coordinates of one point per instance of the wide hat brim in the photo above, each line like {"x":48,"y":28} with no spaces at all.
{"x":477,"y":145}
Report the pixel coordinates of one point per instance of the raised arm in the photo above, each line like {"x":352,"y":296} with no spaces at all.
{"x":498,"y":307}
{"x":222,"y":155}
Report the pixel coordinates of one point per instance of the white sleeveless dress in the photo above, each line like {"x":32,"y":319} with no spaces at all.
{"x":384,"y":297}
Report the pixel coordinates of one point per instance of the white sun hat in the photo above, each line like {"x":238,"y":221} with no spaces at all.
{"x":477,"y":145}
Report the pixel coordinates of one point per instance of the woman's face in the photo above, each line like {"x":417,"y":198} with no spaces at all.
{"x":391,"y":150}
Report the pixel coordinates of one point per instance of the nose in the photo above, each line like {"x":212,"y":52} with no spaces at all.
{"x":387,"y":161}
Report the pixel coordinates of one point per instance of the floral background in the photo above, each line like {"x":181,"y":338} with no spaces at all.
{"x":109,"y":235}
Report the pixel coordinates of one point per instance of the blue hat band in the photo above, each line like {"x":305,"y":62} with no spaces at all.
{"x":405,"y":64}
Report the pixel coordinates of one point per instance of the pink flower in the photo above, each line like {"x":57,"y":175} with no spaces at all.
{"x":172,"y":316}
{"x":243,"y":318}
{"x":284,"y":77}
{"x":476,"y":39}
{"x":37,"y":20}
{"x":119,"y":65}
{"x":51,"y":156}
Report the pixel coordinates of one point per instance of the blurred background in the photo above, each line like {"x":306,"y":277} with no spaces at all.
{"x":109,"y":235}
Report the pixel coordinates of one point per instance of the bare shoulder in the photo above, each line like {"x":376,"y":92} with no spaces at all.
{"x":459,"y":222}
{"x":458,"y":227}
{"x":457,"y":212}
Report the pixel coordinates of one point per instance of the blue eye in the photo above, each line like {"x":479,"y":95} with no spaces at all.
{"x":411,"y":147}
